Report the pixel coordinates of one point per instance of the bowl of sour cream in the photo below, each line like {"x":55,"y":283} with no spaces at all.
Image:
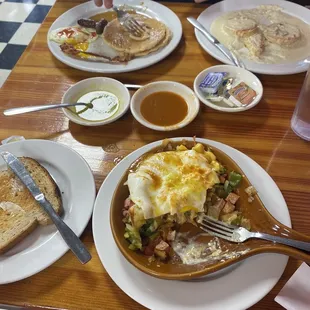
{"x":107,"y":100}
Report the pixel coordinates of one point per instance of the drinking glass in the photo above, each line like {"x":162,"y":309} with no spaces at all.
{"x":300,"y":122}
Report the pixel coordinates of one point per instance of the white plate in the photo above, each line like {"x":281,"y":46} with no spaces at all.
{"x":215,"y":10}
{"x":234,"y":288}
{"x":75,"y":180}
{"x":88,"y":9}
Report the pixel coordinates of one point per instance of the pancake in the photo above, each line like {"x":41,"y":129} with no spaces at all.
{"x":161,"y":44}
{"x":157,"y":35}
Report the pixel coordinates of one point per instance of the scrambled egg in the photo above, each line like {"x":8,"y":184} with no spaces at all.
{"x":174,"y":181}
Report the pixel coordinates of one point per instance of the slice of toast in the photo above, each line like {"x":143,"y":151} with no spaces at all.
{"x":12,"y":190}
{"x":15,"y":225}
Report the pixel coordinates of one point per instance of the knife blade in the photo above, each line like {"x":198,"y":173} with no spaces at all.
{"x":229,"y":54}
{"x":72,"y":240}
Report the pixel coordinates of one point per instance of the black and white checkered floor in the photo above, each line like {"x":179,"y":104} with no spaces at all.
{"x":19,"y":21}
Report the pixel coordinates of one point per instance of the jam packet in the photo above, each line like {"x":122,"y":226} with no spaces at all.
{"x":212,"y":82}
{"x":242,"y":94}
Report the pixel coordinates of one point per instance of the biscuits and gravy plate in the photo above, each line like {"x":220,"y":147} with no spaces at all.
{"x":92,"y":39}
{"x":28,"y":244}
{"x":270,"y":36}
{"x":236,"y":288}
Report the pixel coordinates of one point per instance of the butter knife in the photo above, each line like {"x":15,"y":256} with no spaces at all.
{"x":229,"y":54}
{"x":72,"y":240}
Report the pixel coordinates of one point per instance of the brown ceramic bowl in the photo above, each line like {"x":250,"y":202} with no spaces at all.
{"x":261,"y":220}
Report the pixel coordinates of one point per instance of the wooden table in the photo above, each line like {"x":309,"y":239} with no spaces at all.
{"x":263,"y":133}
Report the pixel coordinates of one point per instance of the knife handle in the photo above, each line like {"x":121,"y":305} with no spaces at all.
{"x":72,"y":240}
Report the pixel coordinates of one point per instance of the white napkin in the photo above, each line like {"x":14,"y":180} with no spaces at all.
{"x":295,"y":295}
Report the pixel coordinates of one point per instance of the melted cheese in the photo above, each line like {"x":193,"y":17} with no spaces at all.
{"x":172,"y":182}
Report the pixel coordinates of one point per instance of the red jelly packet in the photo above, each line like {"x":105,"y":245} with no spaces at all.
{"x":242,"y":94}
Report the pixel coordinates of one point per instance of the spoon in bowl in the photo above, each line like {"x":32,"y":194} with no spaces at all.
{"x":22,"y":110}
{"x":36,"y":108}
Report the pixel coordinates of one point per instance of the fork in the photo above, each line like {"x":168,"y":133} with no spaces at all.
{"x":128,"y":22}
{"x":237,"y":234}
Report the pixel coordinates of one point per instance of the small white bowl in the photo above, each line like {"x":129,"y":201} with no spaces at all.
{"x":244,"y":75}
{"x":76,"y":91}
{"x":185,"y":92}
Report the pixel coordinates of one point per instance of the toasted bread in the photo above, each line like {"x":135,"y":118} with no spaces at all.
{"x":12,"y":190}
{"x":15,"y":225}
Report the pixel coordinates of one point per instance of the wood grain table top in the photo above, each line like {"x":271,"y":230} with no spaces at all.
{"x":263,"y":133}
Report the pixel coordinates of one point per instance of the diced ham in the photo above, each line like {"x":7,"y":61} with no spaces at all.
{"x":228,"y":208}
{"x":215,"y":210}
{"x":171,"y":235}
{"x":162,"y":246}
{"x":222,"y":179}
{"x":149,"y":249}
{"x":162,"y":250}
{"x":232,"y":198}
{"x":128,"y":203}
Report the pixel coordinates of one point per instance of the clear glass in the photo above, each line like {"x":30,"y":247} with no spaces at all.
{"x":301,"y":118}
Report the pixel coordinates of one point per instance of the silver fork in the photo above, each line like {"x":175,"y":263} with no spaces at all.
{"x":128,"y":22}
{"x":237,"y":234}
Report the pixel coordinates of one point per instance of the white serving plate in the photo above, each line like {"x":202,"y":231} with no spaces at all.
{"x":88,"y":9}
{"x":210,"y":14}
{"x":232,"y":288}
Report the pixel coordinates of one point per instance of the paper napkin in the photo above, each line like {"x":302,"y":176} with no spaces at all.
{"x":295,"y":295}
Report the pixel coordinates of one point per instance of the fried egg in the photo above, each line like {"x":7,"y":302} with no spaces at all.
{"x":97,"y":48}
{"x":73,"y":35}
{"x":172,"y":182}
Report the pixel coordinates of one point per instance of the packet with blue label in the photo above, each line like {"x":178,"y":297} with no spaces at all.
{"x":212,"y":82}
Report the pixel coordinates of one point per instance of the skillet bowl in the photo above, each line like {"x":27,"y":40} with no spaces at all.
{"x":261,"y":220}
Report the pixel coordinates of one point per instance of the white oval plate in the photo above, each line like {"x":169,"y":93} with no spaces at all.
{"x":234,"y":288}
{"x":210,"y":14}
{"x":88,"y":9}
{"x":75,"y":180}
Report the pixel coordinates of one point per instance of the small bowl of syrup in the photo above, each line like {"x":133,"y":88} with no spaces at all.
{"x":164,"y":105}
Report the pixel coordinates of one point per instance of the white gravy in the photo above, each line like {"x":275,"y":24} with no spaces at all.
{"x":265,"y":15}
